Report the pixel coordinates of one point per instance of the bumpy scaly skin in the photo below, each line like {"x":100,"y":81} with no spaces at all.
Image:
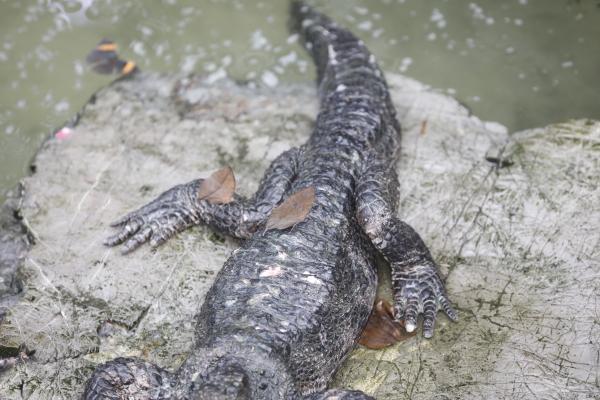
{"x":178,"y":209}
{"x":289,"y":305}
{"x":416,"y":284}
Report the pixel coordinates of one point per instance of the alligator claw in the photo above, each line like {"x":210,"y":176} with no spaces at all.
{"x":419,"y":290}
{"x":171,"y":212}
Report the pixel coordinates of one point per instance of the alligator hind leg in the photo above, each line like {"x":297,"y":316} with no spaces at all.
{"x":180,"y":208}
{"x":416,"y":283}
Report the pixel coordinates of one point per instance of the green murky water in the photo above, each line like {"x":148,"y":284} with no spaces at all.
{"x":523,"y":63}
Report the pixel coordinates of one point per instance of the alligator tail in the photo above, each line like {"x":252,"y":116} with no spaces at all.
{"x":317,"y":32}
{"x":347,"y":70}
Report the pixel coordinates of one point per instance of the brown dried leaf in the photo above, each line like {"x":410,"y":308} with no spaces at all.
{"x":219,"y":187}
{"x":381,"y":329}
{"x":293,"y":210}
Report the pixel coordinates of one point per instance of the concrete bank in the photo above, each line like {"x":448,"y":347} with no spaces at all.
{"x":514,"y":225}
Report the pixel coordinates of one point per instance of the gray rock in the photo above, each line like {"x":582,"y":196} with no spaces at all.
{"x":514,"y":223}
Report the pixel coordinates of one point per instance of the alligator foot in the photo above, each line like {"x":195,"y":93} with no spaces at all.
{"x":419,"y":289}
{"x":172,"y":212}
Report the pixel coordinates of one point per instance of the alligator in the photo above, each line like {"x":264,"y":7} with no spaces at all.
{"x":291,"y":302}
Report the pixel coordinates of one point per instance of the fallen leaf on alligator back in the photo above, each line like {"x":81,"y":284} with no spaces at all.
{"x":293,"y":210}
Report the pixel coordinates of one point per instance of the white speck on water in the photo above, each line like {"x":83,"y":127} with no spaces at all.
{"x":187,"y":11}
{"x":372,"y":59}
{"x":61,"y":106}
{"x":9,"y":129}
{"x":377,"y":33}
{"x":451,"y":91}
{"x":146,"y":31}
{"x":489,"y":20}
{"x":405,"y":64}
{"x":3,"y":56}
{"x":361,"y":10}
{"x":470,"y":43}
{"x":21,"y":103}
{"x":159,"y":50}
{"x":438,"y":18}
{"x":258,"y":40}
{"x":269,"y":79}
{"x":292,"y":38}
{"x":302,"y":66}
{"x":521,"y":75}
{"x":215,"y":76}
{"x":509,"y":50}
{"x":288,"y":59}
{"x":138,"y":48}
{"x":567,"y":64}
{"x":431,"y":36}
{"x":43,"y":54}
{"x":475,"y":99}
{"x":522,"y":2}
{"x":365,"y":25}
{"x":518,"y":22}
{"x":477,"y":11}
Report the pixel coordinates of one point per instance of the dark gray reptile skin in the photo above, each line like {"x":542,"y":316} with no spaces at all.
{"x":289,"y":305}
